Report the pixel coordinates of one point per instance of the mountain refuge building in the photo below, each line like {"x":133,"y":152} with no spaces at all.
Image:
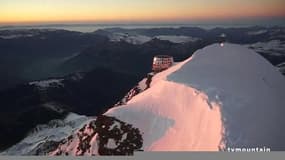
{"x":162,"y":62}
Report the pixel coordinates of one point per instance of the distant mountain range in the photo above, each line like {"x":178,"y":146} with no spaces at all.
{"x":27,"y":55}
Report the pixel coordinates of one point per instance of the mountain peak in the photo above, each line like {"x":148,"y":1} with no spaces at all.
{"x":220,"y":98}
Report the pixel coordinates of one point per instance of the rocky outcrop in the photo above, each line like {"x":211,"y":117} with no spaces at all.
{"x":103,"y":136}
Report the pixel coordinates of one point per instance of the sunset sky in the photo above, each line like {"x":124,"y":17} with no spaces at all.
{"x":105,"y":11}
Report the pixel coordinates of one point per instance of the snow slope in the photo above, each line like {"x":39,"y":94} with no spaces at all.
{"x":221,"y":97}
{"x":42,"y":85}
{"x":248,"y":88}
{"x":281,"y":68}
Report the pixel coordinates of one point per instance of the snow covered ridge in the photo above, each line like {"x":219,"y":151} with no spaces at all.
{"x":273,"y":47}
{"x":133,"y":39}
{"x":23,"y":33}
{"x":46,"y":138}
{"x":140,"y":39}
{"x":15,"y":36}
{"x":177,"y":39}
{"x":220,"y":98}
{"x":259,"y":32}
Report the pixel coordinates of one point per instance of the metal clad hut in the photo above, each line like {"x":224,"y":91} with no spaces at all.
{"x":162,"y":62}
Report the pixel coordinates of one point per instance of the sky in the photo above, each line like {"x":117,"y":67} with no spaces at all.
{"x":116,"y":11}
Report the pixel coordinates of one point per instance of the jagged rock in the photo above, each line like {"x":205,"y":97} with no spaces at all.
{"x":109,"y":135}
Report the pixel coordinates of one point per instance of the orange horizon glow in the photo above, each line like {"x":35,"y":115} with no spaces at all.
{"x":37,"y":11}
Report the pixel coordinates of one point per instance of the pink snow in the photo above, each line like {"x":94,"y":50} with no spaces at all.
{"x":159,"y":113}
{"x":220,"y":97}
{"x":161,"y":121}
